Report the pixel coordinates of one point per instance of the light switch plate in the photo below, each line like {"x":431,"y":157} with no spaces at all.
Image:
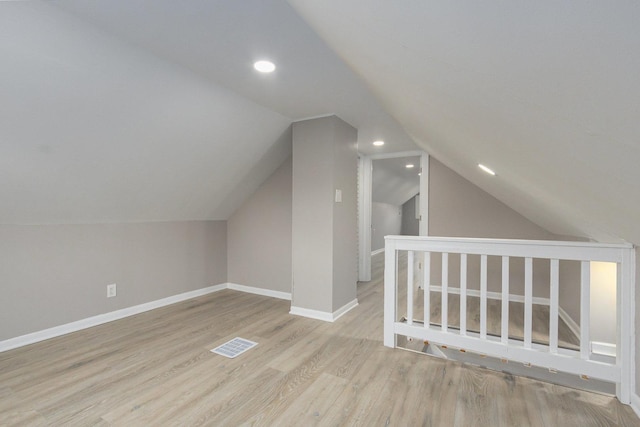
{"x":111,"y":290}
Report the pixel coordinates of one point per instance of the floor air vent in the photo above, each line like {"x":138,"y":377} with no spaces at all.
{"x":234,"y":348}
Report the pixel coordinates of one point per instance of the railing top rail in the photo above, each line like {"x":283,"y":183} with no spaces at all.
{"x":578,"y":244}
{"x":568,"y":250}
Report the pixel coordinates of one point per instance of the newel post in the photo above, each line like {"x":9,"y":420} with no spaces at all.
{"x":390,"y":292}
{"x":625,"y":338}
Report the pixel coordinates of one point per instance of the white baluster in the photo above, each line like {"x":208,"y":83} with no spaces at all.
{"x":463,"y":294}
{"x":427,"y":289}
{"x":553,"y":305}
{"x":504,"y":334}
{"x":445,"y":290}
{"x":410,"y":288}
{"x":528,"y":300}
{"x":585,"y":309}
{"x":483,"y":296}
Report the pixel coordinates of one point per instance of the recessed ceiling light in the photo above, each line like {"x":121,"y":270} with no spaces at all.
{"x":409,"y":165}
{"x":378,"y":143}
{"x":264,"y":66}
{"x":486,"y":169}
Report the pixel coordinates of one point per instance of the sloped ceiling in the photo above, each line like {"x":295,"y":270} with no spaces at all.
{"x":393,"y":182}
{"x":140,"y":110}
{"x":545,"y":93}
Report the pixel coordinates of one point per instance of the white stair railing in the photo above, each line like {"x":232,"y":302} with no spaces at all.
{"x":547,"y":355}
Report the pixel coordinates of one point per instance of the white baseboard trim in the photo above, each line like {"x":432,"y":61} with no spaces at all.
{"x":377,"y":251}
{"x":259,"y":291}
{"x":311,"y":314}
{"x":635,"y":403}
{"x":345,"y":309}
{"x":89,"y":322}
{"x":603,"y":348}
{"x":492,"y":295}
{"x":573,"y":326}
{"x":323,"y":315}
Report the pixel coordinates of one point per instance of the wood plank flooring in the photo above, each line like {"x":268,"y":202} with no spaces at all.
{"x":155,"y":369}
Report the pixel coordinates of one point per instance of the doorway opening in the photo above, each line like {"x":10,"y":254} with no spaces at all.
{"x":392,"y":200}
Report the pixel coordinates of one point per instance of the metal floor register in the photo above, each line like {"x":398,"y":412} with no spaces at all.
{"x":234,"y":348}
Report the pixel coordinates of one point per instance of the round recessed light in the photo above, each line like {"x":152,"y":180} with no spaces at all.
{"x":264,"y":66}
{"x":409,"y":165}
{"x":378,"y":143}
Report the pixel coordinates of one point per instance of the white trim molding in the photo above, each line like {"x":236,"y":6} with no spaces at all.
{"x":365,"y":176}
{"x":603,"y":348}
{"x":568,"y":320}
{"x":311,"y":314}
{"x":323,"y":315}
{"x":345,"y":309}
{"x":260,"y":291}
{"x":377,"y":251}
{"x":490,"y":295}
{"x":635,"y":403}
{"x":397,"y":154}
{"x":619,"y":370}
{"x":89,"y":322}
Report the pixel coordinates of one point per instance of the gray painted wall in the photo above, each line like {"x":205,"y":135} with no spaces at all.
{"x":458,"y":208}
{"x":312,"y":215}
{"x":56,"y":274}
{"x":345,"y":214}
{"x":259,"y":235}
{"x":324,"y":242}
{"x":410,"y":224}
{"x":386,"y":219}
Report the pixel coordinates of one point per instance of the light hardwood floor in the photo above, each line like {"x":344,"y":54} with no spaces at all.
{"x":155,"y":369}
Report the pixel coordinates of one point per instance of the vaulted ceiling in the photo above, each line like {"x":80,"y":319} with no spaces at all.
{"x":140,"y":110}
{"x":393,"y":182}
{"x":545,"y":93}
{"x":150,"y":110}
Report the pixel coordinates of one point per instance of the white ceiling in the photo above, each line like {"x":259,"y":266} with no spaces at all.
{"x":128,"y":110}
{"x":220,"y":40}
{"x":139,"y":110}
{"x":545,"y":93}
{"x":392,"y":182}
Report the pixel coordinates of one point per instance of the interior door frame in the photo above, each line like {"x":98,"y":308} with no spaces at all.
{"x":365,"y":184}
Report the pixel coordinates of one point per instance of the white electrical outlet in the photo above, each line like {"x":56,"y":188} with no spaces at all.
{"x":111,"y":290}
